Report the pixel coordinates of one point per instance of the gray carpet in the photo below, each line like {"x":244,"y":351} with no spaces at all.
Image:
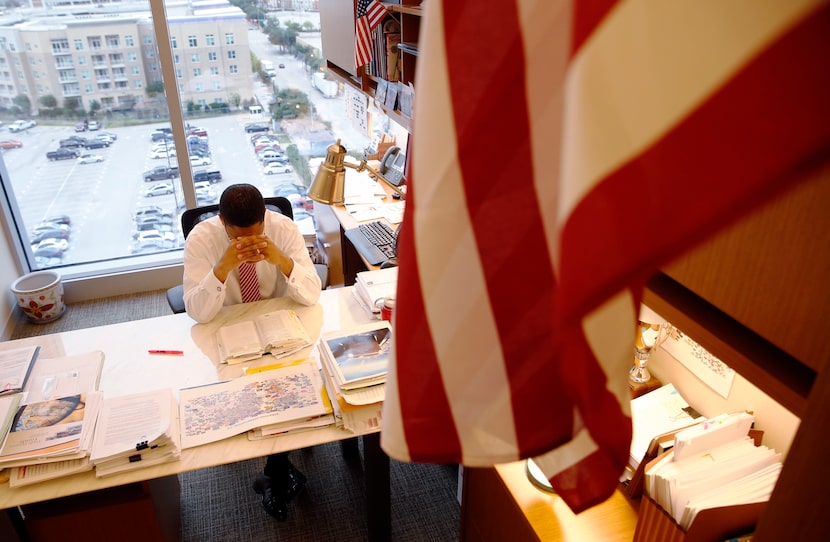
{"x":218,"y":504}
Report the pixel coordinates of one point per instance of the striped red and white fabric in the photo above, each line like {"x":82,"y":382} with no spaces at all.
{"x":563,"y":151}
{"x":249,"y":282}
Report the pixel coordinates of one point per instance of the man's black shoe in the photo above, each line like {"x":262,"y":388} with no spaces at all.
{"x":293,"y":482}
{"x":273,"y":500}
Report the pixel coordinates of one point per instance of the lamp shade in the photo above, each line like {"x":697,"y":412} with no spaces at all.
{"x":329,"y":183}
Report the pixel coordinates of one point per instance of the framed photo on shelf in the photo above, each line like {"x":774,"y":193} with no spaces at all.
{"x":380,"y":91}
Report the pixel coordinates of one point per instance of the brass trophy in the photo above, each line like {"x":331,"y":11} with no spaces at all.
{"x":648,"y":336}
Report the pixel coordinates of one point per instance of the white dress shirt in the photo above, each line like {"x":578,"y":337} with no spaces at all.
{"x":204,"y":294}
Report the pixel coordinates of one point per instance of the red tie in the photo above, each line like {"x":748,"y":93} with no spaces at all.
{"x":248,"y":282}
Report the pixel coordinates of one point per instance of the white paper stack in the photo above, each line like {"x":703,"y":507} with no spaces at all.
{"x":712,"y":464}
{"x":136,"y":431}
{"x":372,"y":286}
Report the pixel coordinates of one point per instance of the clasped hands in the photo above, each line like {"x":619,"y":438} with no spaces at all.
{"x":253,"y":249}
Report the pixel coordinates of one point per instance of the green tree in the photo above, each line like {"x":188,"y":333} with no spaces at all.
{"x":236,"y":99}
{"x":71,"y":104}
{"x":156,"y":87}
{"x":94,"y":106}
{"x":47,"y":100}
{"x":22,"y":101}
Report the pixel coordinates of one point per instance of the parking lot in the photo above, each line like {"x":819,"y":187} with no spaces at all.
{"x":101,"y":197}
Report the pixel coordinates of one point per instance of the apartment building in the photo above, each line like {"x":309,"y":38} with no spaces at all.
{"x":108,"y":54}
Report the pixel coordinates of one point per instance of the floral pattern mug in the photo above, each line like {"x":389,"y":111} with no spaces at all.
{"x":40,"y":296}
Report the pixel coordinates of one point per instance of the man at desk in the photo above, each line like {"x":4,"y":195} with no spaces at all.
{"x":244,"y":254}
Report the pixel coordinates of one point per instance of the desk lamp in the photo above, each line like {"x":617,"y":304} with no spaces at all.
{"x":327,"y":186}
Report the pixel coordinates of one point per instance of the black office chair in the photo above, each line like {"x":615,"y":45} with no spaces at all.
{"x":191,"y":217}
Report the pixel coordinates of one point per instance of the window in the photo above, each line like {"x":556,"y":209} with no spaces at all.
{"x":106,"y":81}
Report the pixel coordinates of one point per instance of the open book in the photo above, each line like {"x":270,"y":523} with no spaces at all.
{"x":278,"y":333}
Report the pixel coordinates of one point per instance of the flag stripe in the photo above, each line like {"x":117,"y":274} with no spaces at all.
{"x":741,"y":155}
{"x":523,"y":250}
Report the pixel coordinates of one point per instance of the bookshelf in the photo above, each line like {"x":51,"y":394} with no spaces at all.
{"x":408,"y":13}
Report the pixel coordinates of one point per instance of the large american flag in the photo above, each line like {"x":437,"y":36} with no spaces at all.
{"x":563,"y":150}
{"x":369,"y":14}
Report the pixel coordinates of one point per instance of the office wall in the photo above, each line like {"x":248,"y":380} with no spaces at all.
{"x":8,"y":273}
{"x":779,"y":424}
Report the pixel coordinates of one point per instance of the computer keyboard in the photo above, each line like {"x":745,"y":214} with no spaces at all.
{"x":375,"y":241}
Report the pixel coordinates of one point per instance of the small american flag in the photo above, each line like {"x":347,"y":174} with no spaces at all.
{"x":369,"y":14}
{"x":545,"y":130}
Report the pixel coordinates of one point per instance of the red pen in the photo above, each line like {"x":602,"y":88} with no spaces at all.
{"x":167,"y":352}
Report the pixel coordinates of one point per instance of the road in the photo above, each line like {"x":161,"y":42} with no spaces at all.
{"x":294,"y":75}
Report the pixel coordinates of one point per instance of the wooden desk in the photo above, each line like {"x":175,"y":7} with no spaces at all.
{"x":344,"y":261}
{"x":502,"y":504}
{"x":128,"y":368}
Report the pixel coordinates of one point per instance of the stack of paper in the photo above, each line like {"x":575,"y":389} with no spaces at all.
{"x":372,"y":286}
{"x":15,"y":367}
{"x":300,"y":424}
{"x":279,"y":333}
{"x":51,"y":432}
{"x":712,"y":464}
{"x":653,"y":414}
{"x":359,"y":358}
{"x":136,"y":431}
{"x":354,"y":368}
{"x":286,"y":395}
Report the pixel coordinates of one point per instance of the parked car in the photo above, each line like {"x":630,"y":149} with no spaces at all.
{"x":159,"y":173}
{"x":39,"y":235}
{"x":73,"y":142}
{"x":62,"y":154}
{"x":195,"y":130}
{"x":151,"y":225}
{"x":211,"y":175}
{"x":269,"y":154}
{"x":159,"y":189}
{"x":49,"y":226}
{"x":157,"y":154}
{"x":21,"y":125}
{"x":10,"y":144}
{"x":89,"y":158}
{"x":93,"y":125}
{"x":259,"y":147}
{"x":156,"y":235}
{"x":81,"y":126}
{"x":274,"y":168}
{"x":51,"y":242}
{"x":252,"y":127}
{"x":96,"y":143}
{"x":153,"y":222}
{"x":200,"y":161}
{"x":48,"y":256}
{"x":106,"y":135}
{"x":151,"y":210}
{"x":282,"y":66}
{"x":57,"y":219}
